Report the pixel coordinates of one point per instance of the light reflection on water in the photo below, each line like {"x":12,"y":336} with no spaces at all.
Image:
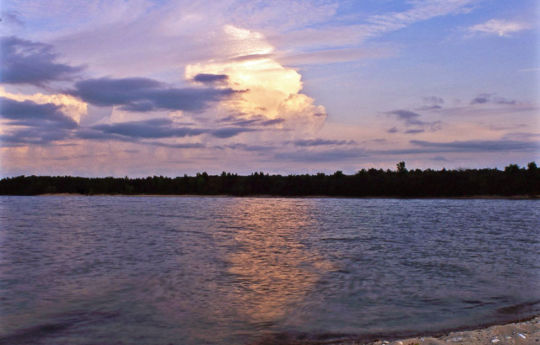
{"x":273,"y":269}
{"x":128,"y":270}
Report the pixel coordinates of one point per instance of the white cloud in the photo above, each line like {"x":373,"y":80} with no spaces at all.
{"x":502,"y":28}
{"x":269,"y":89}
{"x":373,"y":26}
{"x":58,"y":16}
{"x":168,"y":35}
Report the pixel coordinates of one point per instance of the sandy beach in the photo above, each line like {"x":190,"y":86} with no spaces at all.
{"x":525,"y":333}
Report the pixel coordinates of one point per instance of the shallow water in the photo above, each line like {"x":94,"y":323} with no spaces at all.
{"x":202,"y":270}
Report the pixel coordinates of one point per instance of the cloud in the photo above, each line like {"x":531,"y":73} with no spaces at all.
{"x":12,"y":18}
{"x":59,"y":15}
{"x":272,"y":122}
{"x":230,"y":132}
{"x":268,"y":89}
{"x":485,"y":98}
{"x":232,"y":120}
{"x":33,"y":136}
{"x":108,"y":33}
{"x":322,"y":142}
{"x":159,"y":128}
{"x":478,"y":145}
{"x":521,"y":135}
{"x":210,"y":78}
{"x":272,"y":14}
{"x":481,"y":99}
{"x":466,"y":146}
{"x":269,"y":99}
{"x":27,"y":122}
{"x":420,"y":10}
{"x":328,"y":56}
{"x":408,"y":117}
{"x":155,"y":128}
{"x":27,"y":62}
{"x":412,"y":119}
{"x":178,"y":145}
{"x":432,"y":103}
{"x":499,"y":27}
{"x":432,"y":100}
{"x":144,"y":94}
{"x":373,"y":26}
{"x":414,"y":131}
{"x":97,"y":134}
{"x":249,"y":148}
{"x":28,"y":113}
{"x":67,"y":104}
{"x":250,"y":121}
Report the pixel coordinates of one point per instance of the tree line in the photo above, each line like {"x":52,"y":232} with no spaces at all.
{"x":513,"y":180}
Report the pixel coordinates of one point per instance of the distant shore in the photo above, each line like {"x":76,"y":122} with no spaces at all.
{"x":488,"y":197}
{"x":512,"y":183}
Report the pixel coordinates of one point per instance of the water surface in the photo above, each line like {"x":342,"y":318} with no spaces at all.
{"x":203,"y":270}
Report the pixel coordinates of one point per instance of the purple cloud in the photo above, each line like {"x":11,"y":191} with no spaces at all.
{"x":28,"y":113}
{"x":144,"y":94}
{"x":322,"y":142}
{"x":210,"y":78}
{"x":27,"y":62}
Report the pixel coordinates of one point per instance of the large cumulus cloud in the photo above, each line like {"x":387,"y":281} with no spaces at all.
{"x":269,"y":89}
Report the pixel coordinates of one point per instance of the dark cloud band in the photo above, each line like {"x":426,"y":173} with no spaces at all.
{"x":210,"y":78}
{"x":161,"y":128}
{"x":143,"y":94}
{"x":322,"y":142}
{"x":28,"y":113}
{"x":27,"y":62}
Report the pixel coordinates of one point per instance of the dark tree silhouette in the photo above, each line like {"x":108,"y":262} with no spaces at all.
{"x":401,"y":167}
{"x":365,"y":183}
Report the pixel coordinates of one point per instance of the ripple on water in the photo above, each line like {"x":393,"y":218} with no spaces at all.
{"x":128,"y":270}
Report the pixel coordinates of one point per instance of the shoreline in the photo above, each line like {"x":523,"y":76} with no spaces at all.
{"x":268,"y":196}
{"x":523,"y":331}
{"x":526,"y":331}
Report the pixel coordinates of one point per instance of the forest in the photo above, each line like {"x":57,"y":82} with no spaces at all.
{"x":512,"y":181}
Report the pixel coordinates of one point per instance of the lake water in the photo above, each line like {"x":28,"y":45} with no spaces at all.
{"x":204,"y":270}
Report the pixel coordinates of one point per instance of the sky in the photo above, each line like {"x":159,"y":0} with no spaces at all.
{"x":173,"y":87}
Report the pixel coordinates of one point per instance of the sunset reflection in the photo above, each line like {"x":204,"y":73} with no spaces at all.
{"x":273,"y":268}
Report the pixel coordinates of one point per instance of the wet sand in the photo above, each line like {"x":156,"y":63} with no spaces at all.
{"x":522,"y":333}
